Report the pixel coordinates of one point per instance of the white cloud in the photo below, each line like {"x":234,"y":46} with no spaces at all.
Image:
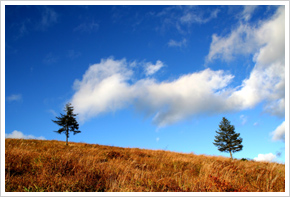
{"x":279,"y":133}
{"x":157,"y":139}
{"x":19,"y":135}
{"x":191,"y":94}
{"x":105,"y":87}
{"x":109,"y":86}
{"x":14,"y":97}
{"x":266,"y":157}
{"x":240,"y":41}
{"x":267,"y":79}
{"x":151,"y":69}
{"x":246,"y":39}
{"x":173,"y":43}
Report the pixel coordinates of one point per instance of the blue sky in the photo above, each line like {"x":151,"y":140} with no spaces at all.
{"x":151,"y":76}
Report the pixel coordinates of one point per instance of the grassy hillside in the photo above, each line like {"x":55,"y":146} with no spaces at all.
{"x":36,"y":165}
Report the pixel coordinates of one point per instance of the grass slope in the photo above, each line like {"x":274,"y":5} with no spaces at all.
{"x":50,"y":166}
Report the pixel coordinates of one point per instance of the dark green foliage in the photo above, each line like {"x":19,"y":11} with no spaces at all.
{"x":247,"y":159}
{"x":67,"y":122}
{"x":227,"y":139}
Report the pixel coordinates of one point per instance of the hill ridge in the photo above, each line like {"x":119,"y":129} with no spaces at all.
{"x":50,"y":165}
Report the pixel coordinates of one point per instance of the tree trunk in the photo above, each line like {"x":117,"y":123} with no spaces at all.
{"x":231,"y":155}
{"x":67,"y":136}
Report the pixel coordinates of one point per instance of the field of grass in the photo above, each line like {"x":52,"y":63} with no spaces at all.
{"x":50,"y":166}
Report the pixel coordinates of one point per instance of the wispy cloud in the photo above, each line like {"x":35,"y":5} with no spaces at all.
{"x":87,"y":27}
{"x":183,"y":17}
{"x":151,"y":69}
{"x":48,"y":18}
{"x":19,"y":135}
{"x":22,"y":28}
{"x":50,"y":58}
{"x":197,"y":16}
{"x":14,"y":97}
{"x":72,"y":54}
{"x":173,"y":43}
{"x":51,"y":111}
{"x":240,"y":41}
{"x":248,"y":11}
{"x":244,"y":119}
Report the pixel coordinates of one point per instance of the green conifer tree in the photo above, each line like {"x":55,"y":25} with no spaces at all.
{"x":227,"y":139}
{"x":67,"y":122}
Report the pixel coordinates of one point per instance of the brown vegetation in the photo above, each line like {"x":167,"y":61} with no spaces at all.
{"x":50,"y":166}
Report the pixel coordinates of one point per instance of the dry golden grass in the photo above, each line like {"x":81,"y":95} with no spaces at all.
{"x":50,"y":166}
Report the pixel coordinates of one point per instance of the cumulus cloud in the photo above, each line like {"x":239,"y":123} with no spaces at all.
{"x":267,"y":79}
{"x":246,"y":39}
{"x":19,"y":135}
{"x":106,"y":87}
{"x":279,"y":133}
{"x":191,"y":94}
{"x":109,"y":86}
{"x":270,"y":157}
